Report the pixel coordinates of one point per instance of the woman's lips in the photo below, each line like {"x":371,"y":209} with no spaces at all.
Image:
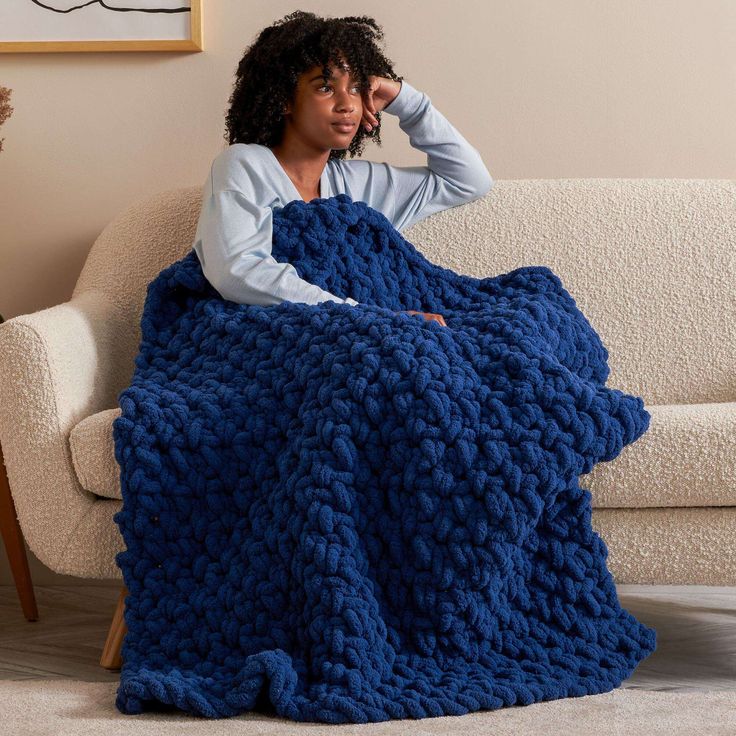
{"x":344,"y":127}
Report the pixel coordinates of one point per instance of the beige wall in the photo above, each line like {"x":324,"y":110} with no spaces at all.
{"x":543,"y":89}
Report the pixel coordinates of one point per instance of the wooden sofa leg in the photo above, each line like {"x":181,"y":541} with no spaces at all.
{"x":13,"y":540}
{"x":111,"y":658}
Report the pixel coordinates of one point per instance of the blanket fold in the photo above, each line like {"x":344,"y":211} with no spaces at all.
{"x":351,"y":514}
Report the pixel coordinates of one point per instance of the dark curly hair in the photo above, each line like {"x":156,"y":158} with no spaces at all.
{"x":267,"y":74}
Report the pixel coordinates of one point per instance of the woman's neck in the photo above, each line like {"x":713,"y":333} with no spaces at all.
{"x":304,"y":172}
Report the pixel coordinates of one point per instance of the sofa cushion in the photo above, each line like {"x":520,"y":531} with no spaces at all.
{"x":93,"y":454}
{"x":687,"y":457}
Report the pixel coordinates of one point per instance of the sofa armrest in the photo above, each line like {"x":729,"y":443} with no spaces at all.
{"x":57,"y":366}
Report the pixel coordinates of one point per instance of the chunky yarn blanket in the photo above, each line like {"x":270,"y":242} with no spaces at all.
{"x":345,"y":513}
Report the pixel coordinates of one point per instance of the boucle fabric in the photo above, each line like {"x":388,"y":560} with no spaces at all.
{"x":352,"y":514}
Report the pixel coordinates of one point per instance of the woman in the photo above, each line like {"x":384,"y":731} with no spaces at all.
{"x":308,"y":91}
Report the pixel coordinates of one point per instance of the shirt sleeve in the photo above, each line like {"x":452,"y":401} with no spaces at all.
{"x":455,"y":173}
{"x":234,"y":237}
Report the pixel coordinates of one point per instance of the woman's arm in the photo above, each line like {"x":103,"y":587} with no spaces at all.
{"x":455,"y":173}
{"x":234,"y":236}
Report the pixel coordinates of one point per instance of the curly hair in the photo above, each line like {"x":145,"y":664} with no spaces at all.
{"x":268,"y":72}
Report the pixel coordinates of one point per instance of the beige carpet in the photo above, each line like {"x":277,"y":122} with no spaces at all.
{"x":687,"y":687}
{"x":72,"y":708}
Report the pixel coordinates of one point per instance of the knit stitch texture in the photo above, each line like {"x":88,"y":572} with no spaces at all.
{"x":351,"y":514}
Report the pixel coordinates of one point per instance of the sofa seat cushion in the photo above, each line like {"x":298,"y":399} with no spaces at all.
{"x":687,"y":457}
{"x":93,"y":454}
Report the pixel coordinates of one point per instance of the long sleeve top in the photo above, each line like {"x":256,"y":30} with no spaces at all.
{"x":246,"y":182}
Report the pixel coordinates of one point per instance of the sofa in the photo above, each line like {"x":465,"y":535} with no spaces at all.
{"x":650,"y":262}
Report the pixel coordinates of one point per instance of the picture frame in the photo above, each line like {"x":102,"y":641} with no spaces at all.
{"x":54,"y":26}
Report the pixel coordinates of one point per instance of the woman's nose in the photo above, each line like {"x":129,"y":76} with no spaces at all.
{"x":344,"y":102}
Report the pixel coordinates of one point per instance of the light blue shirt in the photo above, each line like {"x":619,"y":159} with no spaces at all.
{"x":246,"y":182}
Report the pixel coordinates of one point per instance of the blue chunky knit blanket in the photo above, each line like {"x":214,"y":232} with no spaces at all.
{"x":352,"y":514}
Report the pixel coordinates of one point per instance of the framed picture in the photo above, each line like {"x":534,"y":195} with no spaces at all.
{"x":32,"y":26}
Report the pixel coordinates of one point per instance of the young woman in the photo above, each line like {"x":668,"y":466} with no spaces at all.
{"x":308,"y":91}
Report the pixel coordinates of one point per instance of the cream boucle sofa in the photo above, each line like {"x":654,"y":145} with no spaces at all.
{"x":651,"y":262}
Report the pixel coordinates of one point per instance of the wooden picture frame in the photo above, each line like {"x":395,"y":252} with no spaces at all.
{"x":26,"y":12}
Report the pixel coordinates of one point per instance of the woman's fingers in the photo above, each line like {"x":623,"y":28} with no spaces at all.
{"x":369,"y":108}
{"x":372,"y":104}
{"x":365,"y":122}
{"x":428,"y":316}
{"x":436,"y":317}
{"x":368,"y":120}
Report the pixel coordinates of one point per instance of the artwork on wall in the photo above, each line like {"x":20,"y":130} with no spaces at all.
{"x":100,"y":25}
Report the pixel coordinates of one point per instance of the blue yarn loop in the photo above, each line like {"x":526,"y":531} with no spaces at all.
{"x":350,"y":514}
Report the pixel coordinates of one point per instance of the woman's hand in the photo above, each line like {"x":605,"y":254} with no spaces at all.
{"x":379,"y":94}
{"x":430,"y":316}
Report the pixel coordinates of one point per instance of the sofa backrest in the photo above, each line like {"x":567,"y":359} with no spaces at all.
{"x":650,"y":262}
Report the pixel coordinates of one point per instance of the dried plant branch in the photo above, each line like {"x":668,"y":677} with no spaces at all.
{"x":6,"y":110}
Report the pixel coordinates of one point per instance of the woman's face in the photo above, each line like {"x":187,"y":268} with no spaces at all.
{"x":319,"y":103}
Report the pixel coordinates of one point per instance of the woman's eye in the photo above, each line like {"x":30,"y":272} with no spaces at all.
{"x":327,"y":86}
